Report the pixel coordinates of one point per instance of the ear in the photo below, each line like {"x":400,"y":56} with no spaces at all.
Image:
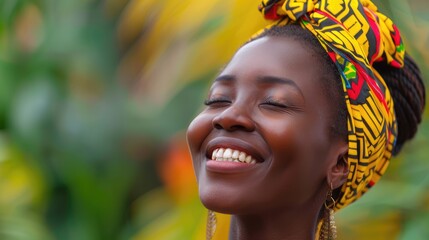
{"x":339,"y":169}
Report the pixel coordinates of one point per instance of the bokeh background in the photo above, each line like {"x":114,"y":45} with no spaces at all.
{"x":95,"y":97}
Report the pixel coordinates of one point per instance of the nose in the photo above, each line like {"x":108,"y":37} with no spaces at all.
{"x":234,"y":118}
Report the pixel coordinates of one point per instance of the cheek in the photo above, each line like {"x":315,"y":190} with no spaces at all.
{"x":198,"y":130}
{"x":314,"y":147}
{"x":309,"y":143}
{"x":298,"y":157}
{"x":196,"y":133}
{"x":290,"y":137}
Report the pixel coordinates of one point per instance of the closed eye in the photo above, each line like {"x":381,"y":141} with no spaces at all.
{"x":217,"y":102}
{"x":275,"y":103}
{"x":279,"y":106}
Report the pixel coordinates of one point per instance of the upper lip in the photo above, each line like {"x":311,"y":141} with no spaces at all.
{"x":235,"y":144}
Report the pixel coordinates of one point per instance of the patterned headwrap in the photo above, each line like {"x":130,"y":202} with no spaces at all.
{"x":355,"y":35}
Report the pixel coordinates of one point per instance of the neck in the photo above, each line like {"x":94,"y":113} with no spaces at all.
{"x":289,"y":224}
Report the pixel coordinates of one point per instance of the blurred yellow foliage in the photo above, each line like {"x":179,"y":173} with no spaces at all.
{"x":21,"y":185}
{"x":173,"y":42}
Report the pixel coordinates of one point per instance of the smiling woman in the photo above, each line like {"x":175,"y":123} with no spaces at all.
{"x":267,"y":104}
{"x":300,"y":122}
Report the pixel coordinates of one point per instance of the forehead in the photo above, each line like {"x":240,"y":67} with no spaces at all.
{"x":281,"y":57}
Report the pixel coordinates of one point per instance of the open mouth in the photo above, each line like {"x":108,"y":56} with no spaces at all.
{"x":232,"y":155}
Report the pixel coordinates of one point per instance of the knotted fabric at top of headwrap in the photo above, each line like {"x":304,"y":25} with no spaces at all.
{"x":355,"y":35}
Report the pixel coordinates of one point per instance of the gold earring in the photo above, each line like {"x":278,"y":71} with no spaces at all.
{"x":328,"y":230}
{"x":211,"y":225}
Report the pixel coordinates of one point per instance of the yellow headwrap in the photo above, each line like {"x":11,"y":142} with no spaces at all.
{"x":355,"y":35}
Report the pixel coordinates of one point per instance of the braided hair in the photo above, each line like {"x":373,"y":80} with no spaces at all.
{"x":408,"y":92}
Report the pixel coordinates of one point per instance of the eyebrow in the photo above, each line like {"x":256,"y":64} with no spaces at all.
{"x":279,"y":80}
{"x":263,"y":79}
{"x":225,"y":78}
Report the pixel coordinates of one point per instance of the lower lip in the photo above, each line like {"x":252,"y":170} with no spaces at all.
{"x":228,"y":167}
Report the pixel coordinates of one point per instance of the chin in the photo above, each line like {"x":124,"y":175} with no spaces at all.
{"x":223,"y":199}
{"x":218,"y":203}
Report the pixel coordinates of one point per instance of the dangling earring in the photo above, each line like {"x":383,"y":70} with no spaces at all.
{"x":211,"y":225}
{"x":328,"y":230}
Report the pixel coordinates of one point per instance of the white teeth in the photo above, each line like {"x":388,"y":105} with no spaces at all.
{"x":214,"y":154}
{"x":227,"y":153}
{"x":230,"y":155}
{"x":235,"y":154}
{"x":242,"y":157}
{"x":219,"y":153}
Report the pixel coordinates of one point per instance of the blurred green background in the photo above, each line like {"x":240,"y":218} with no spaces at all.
{"x":95,"y":96}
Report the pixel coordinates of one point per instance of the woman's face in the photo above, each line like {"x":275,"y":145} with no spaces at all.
{"x":266,"y":110}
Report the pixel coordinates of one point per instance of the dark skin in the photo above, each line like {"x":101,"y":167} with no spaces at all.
{"x":268,"y":103}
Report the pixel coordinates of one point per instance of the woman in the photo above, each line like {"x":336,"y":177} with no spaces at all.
{"x":304,"y":119}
